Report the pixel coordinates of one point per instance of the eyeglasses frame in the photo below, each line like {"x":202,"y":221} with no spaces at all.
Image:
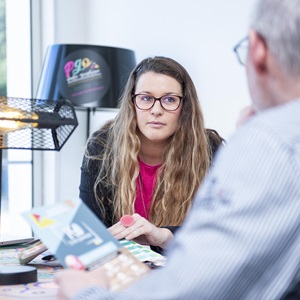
{"x":156,"y":99}
{"x":237,"y":47}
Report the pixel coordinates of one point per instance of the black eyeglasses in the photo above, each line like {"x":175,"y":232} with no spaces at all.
{"x":167,"y":102}
{"x":241,"y":50}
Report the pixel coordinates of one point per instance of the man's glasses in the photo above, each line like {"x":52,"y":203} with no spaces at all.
{"x":241,"y":50}
{"x":168,"y":102}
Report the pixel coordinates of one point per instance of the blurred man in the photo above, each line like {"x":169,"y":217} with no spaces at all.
{"x":242,"y":237}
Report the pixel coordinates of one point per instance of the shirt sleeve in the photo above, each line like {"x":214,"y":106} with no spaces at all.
{"x":241,"y":239}
{"x":87,"y":180}
{"x":89,"y":173}
{"x":93,"y":293}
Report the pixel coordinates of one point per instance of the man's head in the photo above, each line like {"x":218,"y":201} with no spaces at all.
{"x":273,"y":62}
{"x":278,"y":22}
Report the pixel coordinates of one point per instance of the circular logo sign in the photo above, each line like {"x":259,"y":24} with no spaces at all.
{"x":84,"y":77}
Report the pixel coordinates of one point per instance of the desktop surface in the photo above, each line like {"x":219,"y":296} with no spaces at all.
{"x":44,"y":288}
{"x":7,"y":240}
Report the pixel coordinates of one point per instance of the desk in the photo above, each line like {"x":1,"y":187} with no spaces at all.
{"x":44,"y":288}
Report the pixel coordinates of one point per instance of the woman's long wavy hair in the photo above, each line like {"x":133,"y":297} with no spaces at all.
{"x":186,"y":159}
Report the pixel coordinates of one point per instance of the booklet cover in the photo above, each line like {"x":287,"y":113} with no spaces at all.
{"x":79,"y":240}
{"x":69,"y":227}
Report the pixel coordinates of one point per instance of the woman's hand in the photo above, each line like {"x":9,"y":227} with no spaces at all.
{"x":142,"y":232}
{"x":70,"y":282}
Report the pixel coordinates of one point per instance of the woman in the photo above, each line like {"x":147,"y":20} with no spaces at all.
{"x":149,"y":160}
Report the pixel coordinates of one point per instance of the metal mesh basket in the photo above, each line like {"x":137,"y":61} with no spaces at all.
{"x":35,"y":124}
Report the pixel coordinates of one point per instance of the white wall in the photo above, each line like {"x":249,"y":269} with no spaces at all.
{"x":199,"y":34}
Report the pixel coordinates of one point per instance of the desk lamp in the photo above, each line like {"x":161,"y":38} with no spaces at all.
{"x":32,"y":124}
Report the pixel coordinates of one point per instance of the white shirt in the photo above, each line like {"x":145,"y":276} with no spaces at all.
{"x":242,"y":237}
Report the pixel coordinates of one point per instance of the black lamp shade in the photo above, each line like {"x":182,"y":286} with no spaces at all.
{"x":88,"y":75}
{"x":35,"y":124}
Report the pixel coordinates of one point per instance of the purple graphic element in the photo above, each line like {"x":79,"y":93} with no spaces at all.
{"x":88,"y":91}
{"x":79,"y":65}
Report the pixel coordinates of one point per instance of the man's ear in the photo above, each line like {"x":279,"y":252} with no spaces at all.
{"x":258,"y":51}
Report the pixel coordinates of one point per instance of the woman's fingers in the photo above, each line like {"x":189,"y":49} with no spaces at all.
{"x":117,"y":230}
{"x":136,"y":226}
{"x":140,"y":230}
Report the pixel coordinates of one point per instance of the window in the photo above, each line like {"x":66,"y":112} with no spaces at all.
{"x":3,"y":155}
{"x":2,"y":48}
{"x":15,"y":81}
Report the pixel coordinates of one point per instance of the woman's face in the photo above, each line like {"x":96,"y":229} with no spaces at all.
{"x":157,"y":124}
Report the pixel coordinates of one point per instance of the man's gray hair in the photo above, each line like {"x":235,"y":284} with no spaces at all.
{"x":278,"y":22}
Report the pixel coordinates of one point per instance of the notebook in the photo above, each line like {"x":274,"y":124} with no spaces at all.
{"x":79,"y":240}
{"x":7,"y":240}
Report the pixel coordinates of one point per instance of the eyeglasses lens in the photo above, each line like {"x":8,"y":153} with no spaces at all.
{"x":169,"y":102}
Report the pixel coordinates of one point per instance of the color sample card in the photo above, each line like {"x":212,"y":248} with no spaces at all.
{"x":143,"y":253}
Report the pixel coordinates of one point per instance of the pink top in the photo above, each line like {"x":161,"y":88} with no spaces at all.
{"x":145,"y":184}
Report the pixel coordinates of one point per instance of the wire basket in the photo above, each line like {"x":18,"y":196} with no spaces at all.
{"x":35,"y":124}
